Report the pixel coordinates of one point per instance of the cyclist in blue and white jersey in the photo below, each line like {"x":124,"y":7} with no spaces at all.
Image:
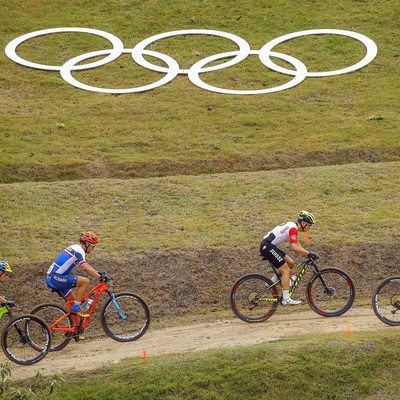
{"x":61,"y":278}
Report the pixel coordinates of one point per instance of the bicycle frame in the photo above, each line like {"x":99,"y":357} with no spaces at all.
{"x":303,"y":265}
{"x":84,"y":322}
{"x":4,"y":310}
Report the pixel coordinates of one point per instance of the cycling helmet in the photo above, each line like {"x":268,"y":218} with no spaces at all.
{"x":89,"y":237}
{"x":306,"y":217}
{"x":4,"y":267}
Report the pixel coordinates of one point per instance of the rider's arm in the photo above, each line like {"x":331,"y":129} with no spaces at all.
{"x":90,"y":270}
{"x":294,"y":244}
{"x":297,"y":248}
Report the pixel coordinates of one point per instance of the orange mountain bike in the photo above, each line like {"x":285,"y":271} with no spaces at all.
{"x":124,"y":317}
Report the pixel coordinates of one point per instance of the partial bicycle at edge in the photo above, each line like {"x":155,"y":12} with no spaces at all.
{"x":25,"y":339}
{"x":386,"y":301}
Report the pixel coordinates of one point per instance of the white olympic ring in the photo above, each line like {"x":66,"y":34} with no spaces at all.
{"x":65,"y":72}
{"x":173,"y":69}
{"x":244,"y":48}
{"x":300,"y":74}
{"x":10,"y":49}
{"x":371,"y":47}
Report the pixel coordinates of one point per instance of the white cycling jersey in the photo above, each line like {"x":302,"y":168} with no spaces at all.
{"x":67,"y":260}
{"x":282,"y":233}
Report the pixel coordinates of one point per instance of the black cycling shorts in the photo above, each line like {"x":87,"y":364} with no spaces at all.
{"x":272,"y":253}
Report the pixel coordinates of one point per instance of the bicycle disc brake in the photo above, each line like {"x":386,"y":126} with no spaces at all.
{"x":330,"y":291}
{"x":395,"y":302}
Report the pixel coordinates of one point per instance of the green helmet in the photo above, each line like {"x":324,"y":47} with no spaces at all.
{"x":306,"y":217}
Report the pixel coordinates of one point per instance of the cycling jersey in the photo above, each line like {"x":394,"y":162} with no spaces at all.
{"x":59,"y":275}
{"x":67,"y":260}
{"x":283,"y":233}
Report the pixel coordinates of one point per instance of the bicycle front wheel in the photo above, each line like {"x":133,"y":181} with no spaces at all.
{"x":331,"y":292}
{"x":126,"y":317}
{"x":253,"y":299}
{"x":51,"y":313}
{"x":26,"y":339}
{"x":386,"y":301}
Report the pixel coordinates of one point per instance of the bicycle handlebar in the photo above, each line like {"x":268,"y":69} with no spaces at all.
{"x":9,"y":304}
{"x":104,"y":277}
{"x":313,"y":256}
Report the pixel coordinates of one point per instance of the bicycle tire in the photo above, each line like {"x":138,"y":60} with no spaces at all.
{"x":50,"y":313}
{"x":386,"y":301}
{"x":137,"y":314}
{"x":26,"y":339}
{"x":246,"y":300}
{"x":336,"y":298}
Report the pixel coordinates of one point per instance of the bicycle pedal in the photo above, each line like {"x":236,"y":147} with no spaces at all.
{"x":80,"y":314}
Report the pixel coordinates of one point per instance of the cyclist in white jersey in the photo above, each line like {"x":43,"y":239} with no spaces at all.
{"x":60,"y":277}
{"x":287,"y":231}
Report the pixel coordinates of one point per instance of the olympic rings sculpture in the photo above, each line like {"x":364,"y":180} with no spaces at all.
{"x":173,"y":69}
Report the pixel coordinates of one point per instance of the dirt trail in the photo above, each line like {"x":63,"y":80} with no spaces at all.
{"x":230,"y":332}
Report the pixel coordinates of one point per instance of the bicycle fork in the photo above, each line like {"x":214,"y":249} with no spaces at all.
{"x":118,"y":308}
{"x":23,"y":338}
{"x":328,"y":290}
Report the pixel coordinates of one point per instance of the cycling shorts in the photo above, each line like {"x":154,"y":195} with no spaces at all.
{"x":62,"y":283}
{"x":272,"y":253}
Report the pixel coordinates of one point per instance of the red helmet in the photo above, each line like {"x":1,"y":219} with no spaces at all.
{"x":89,"y":237}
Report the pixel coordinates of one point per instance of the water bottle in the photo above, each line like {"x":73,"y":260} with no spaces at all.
{"x":89,"y":302}
{"x":293,"y":278}
{"x":274,"y":278}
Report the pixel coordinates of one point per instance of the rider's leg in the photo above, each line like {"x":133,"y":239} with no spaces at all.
{"x":285,"y":271}
{"x":82,"y":285}
{"x":70,"y":297}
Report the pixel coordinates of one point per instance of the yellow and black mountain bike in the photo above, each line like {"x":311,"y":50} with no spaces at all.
{"x":330,"y":292}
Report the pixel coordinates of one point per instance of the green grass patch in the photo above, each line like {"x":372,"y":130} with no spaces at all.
{"x":53,"y":131}
{"x":363,"y":366}
{"x":203,"y":212}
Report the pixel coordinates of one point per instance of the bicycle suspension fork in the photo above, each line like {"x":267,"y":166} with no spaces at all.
{"x":116,"y":305}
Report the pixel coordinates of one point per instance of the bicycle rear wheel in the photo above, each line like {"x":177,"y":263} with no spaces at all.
{"x":26,"y":339}
{"x":51,"y":313}
{"x":331,"y":293}
{"x":253,"y":299}
{"x":126,"y":317}
{"x":386,"y":301}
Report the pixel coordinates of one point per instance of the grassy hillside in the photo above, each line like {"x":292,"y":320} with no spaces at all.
{"x":189,"y":212}
{"x":181,"y":183}
{"x":182,"y":241}
{"x":52,"y":131}
{"x":216,"y":170}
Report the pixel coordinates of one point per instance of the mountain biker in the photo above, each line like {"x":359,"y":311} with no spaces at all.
{"x":60,"y":277}
{"x":4,"y":270}
{"x":287,"y":231}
